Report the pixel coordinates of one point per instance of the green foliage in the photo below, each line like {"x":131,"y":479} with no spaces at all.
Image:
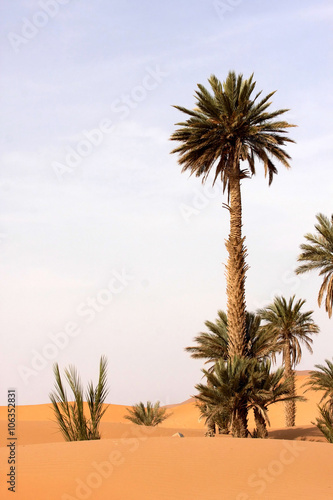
{"x":226,"y":394}
{"x":289,"y":326}
{"x":150,"y":415}
{"x":229,"y":124}
{"x":322,"y":380}
{"x":238,"y":385}
{"x":213,"y":345}
{"x":70,"y":416}
{"x":325,"y":423}
{"x":317,"y":254}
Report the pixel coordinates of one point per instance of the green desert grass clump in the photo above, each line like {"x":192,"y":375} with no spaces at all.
{"x":70,"y":416}
{"x":150,"y":415}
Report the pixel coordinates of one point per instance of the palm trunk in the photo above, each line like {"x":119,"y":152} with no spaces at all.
{"x":211,"y":427}
{"x":235,"y":272}
{"x":239,"y":423}
{"x":260,"y":424}
{"x":290,"y":406}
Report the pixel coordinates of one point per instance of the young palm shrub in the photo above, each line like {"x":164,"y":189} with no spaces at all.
{"x":239,"y":385}
{"x":325,"y":423}
{"x":70,"y":416}
{"x":226,"y":134}
{"x":289,"y":328}
{"x":227,"y":393}
{"x":322,"y":380}
{"x":150,"y":415}
{"x":317,"y":254}
{"x":268,"y":388}
{"x":213,"y":346}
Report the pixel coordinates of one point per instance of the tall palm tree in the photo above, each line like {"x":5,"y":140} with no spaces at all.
{"x":318,"y":254}
{"x":228,"y":129}
{"x":150,"y":414}
{"x":71,"y":417}
{"x":290,"y":328}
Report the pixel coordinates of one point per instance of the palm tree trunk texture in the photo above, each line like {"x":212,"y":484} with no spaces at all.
{"x":239,"y":424}
{"x":290,"y":406}
{"x":235,"y":273}
{"x":211,"y":427}
{"x":224,"y":429}
{"x":260,"y":424}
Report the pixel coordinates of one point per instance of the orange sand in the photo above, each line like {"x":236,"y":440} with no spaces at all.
{"x":135,"y":462}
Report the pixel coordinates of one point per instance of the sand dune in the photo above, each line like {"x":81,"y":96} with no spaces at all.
{"x":135,"y":462}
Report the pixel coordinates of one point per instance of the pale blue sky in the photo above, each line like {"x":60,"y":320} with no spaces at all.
{"x":109,"y":72}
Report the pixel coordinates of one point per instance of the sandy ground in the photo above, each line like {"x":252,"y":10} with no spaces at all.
{"x":135,"y":462}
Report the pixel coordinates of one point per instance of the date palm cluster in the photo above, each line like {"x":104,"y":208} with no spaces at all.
{"x":230,"y":130}
{"x":234,"y":386}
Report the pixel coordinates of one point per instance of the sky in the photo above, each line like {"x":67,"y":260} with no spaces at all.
{"x":106,"y":248}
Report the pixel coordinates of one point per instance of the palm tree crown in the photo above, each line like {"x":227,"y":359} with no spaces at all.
{"x":289,"y":325}
{"x":318,"y":254}
{"x":228,"y":128}
{"x":213,"y":345}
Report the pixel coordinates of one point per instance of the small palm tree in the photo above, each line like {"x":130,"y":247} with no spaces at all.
{"x":325,"y":423}
{"x":213,"y":346}
{"x":150,"y":415}
{"x":318,"y":254}
{"x":322,"y":380}
{"x":226,"y":394}
{"x":228,"y":130}
{"x":237,"y":386}
{"x":268,"y":388}
{"x":290,"y":328}
{"x":72,"y":420}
